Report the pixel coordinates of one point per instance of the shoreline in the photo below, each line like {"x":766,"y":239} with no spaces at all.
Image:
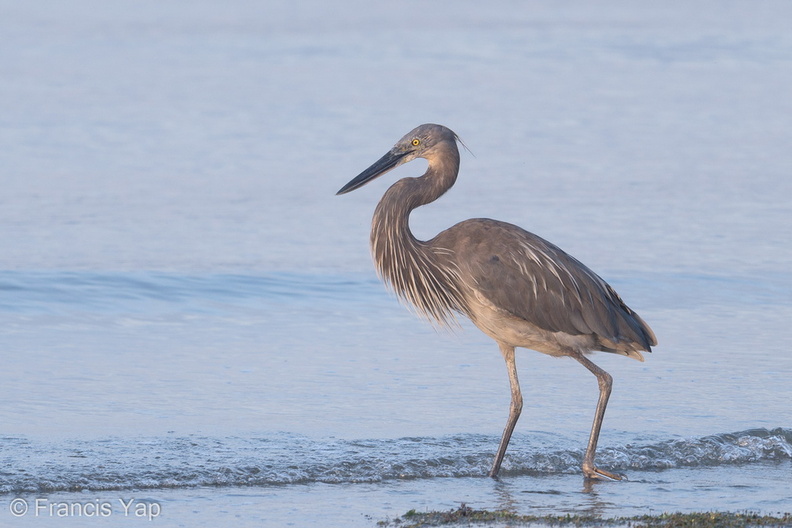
{"x":465,"y":516}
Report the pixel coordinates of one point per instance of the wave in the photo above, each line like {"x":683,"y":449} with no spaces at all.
{"x":184,"y":462}
{"x":29,"y":292}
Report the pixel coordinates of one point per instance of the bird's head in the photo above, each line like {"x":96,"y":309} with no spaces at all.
{"x":421,"y":142}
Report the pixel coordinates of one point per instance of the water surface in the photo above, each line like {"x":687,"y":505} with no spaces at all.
{"x":189,"y":316}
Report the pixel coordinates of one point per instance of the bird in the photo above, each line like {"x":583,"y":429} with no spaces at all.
{"x":516,"y":287}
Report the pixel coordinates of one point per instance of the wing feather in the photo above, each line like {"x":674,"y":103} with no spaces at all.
{"x":530,"y":278}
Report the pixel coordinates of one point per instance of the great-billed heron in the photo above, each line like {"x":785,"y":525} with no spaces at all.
{"x":518,"y":288}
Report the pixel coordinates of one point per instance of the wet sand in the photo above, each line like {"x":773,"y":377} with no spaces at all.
{"x":464,"y":516}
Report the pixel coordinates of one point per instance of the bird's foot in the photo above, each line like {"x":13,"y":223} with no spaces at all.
{"x":595,"y":473}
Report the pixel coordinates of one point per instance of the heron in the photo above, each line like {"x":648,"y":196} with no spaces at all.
{"x":516,"y":287}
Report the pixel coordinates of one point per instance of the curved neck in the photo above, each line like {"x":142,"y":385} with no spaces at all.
{"x":439,"y":176}
{"x":393,"y":210}
{"x":408,"y":265}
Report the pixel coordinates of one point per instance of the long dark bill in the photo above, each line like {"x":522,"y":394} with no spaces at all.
{"x":380,"y":167}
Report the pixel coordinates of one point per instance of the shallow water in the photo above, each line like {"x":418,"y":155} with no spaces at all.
{"x":190,"y":318}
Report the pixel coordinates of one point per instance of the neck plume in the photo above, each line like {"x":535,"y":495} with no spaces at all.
{"x":410,"y":267}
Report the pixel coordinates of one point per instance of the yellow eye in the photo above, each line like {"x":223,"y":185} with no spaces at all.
{"x":416,"y":142}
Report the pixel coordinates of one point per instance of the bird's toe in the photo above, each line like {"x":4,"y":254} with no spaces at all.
{"x":595,"y":473}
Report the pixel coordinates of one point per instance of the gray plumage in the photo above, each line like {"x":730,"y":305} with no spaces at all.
{"x":518,"y":288}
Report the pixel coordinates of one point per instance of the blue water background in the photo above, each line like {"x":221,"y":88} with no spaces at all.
{"x":188,"y":312}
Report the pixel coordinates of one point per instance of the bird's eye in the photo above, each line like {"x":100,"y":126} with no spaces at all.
{"x":416,"y":142}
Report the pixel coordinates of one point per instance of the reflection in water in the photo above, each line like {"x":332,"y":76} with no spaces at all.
{"x":593,"y":504}
{"x":504,"y":497}
{"x":549,"y":495}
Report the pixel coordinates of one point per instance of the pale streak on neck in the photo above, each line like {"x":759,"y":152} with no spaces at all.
{"x":407,"y":265}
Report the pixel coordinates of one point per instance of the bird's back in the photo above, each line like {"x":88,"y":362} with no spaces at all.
{"x":528,"y":278}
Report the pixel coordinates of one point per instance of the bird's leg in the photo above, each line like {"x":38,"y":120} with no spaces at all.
{"x":605,"y":382}
{"x":514,"y":409}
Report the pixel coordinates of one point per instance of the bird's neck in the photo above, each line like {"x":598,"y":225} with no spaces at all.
{"x":408,"y":265}
{"x":410,"y":193}
{"x":391,"y":223}
{"x":440,"y":175}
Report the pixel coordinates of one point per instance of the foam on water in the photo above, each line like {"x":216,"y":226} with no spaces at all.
{"x":186,"y":462}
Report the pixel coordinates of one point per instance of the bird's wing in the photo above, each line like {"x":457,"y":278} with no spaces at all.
{"x":530,"y":278}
